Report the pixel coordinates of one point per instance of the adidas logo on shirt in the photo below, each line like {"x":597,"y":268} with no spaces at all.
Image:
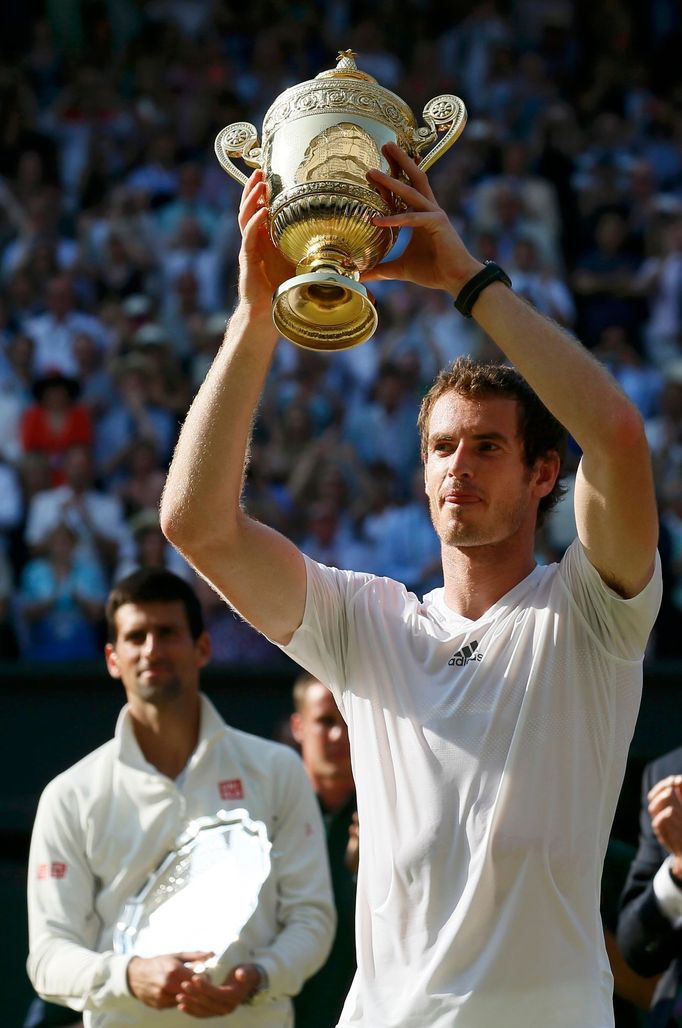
{"x":465,"y":655}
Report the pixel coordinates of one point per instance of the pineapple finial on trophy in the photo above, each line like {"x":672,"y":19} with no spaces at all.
{"x":346,"y":59}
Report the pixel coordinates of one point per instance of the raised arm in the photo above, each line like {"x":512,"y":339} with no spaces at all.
{"x":615,"y":504}
{"x":256,"y":569}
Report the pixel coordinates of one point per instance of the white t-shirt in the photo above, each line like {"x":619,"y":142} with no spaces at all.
{"x":488,"y":758}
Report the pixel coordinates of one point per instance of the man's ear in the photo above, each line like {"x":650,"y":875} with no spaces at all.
{"x":295,"y":723}
{"x":202,"y":647}
{"x":111,"y":660}
{"x":546,"y":471}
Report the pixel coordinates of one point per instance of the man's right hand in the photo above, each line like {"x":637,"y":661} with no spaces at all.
{"x":156,"y":981}
{"x":262,"y":268}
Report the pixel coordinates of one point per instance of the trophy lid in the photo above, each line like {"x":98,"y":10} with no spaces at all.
{"x":346,"y":68}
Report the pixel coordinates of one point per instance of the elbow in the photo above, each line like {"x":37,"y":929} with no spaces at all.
{"x":196,"y":532}
{"x":628,"y":427}
{"x":622,"y":433}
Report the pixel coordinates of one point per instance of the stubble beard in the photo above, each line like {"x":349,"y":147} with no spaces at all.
{"x":458,"y":532}
{"x":158,"y":694}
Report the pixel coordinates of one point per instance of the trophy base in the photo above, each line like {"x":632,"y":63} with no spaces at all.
{"x":323,"y":310}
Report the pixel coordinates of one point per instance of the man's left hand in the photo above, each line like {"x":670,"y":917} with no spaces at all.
{"x":199,"y":998}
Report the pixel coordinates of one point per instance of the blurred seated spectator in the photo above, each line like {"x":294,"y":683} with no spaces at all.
{"x":664,"y":428}
{"x":11,"y":413}
{"x":144,"y":480}
{"x":17,"y":362}
{"x":55,"y":421}
{"x":603,"y":281}
{"x":660,"y":278}
{"x":124,"y":214}
{"x":121,"y":271}
{"x":510,"y":220}
{"x":642,"y":382}
{"x":408,"y":547}
{"x":61,"y":601}
{"x":132,"y":416}
{"x":190,"y":249}
{"x":537,"y":195}
{"x":94,"y":377}
{"x":267,"y":496}
{"x":184,"y":313}
{"x":233,"y":641}
{"x":205,"y":337}
{"x":54,"y":331}
{"x":95,"y":517}
{"x":541,"y":286}
{"x":166,"y":383}
{"x":151,"y":548}
{"x":188,"y":202}
{"x":381,"y":426}
{"x":40,"y":228}
{"x":156,"y":175}
{"x":333,"y":539}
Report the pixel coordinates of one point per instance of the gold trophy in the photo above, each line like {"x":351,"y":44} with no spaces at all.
{"x":320,"y":138}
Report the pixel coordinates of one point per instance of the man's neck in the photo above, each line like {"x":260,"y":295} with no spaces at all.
{"x":476,"y":577}
{"x":167,"y":737}
{"x":333,"y":792}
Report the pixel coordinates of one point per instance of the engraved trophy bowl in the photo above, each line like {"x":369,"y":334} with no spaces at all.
{"x":320,"y":138}
{"x":201,"y":895}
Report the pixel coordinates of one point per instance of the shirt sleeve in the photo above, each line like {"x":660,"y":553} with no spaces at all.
{"x":63,"y":964}
{"x":668,"y":894}
{"x":621,"y":626}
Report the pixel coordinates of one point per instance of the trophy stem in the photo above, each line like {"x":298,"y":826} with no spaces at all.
{"x":324,"y":310}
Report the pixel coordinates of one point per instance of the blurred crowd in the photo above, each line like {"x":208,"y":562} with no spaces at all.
{"x":118,"y":268}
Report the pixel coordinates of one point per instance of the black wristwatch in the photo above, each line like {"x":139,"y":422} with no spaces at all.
{"x":469,"y":293}
{"x":262,"y":987}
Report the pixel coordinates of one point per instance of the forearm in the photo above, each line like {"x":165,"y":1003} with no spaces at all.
{"x":65,"y":972}
{"x":203,"y":489}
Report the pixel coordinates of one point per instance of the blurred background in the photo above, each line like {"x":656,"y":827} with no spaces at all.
{"x":118,"y":251}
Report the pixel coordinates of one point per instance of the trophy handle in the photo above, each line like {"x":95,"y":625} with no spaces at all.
{"x":445,"y":113}
{"x":240,"y":139}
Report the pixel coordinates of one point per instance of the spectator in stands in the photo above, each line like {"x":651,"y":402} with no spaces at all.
{"x":53,"y":332}
{"x":94,"y":516}
{"x":133,"y":417}
{"x":150,"y":547}
{"x":61,"y":596}
{"x":407,"y":545}
{"x":539,"y":284}
{"x":604,"y":281}
{"x":144,"y":479}
{"x":56,"y":421}
{"x":660,"y":277}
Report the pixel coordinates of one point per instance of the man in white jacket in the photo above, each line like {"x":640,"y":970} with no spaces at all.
{"x":104,"y":824}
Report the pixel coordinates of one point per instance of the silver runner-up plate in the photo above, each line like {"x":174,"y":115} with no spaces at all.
{"x":201,"y":895}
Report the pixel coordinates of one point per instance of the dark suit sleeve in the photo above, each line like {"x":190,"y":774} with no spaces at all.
{"x":646,"y":937}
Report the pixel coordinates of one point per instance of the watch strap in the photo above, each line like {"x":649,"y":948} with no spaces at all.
{"x":470,"y":292}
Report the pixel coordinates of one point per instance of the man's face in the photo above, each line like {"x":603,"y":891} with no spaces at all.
{"x":154,"y":654}
{"x":480,"y":490}
{"x":322,"y":734}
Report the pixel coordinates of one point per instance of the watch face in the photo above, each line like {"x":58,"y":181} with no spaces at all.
{"x":202,"y":894}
